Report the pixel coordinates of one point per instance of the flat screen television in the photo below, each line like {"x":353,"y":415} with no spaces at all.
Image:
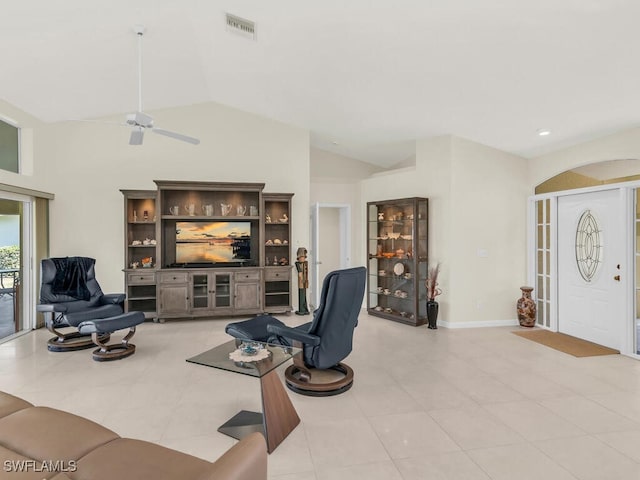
{"x":213,"y":242}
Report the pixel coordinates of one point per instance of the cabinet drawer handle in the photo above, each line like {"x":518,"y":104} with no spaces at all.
{"x":141,"y":278}
{"x":174,"y":278}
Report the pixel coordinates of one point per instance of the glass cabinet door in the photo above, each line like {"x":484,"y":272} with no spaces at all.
{"x":211,"y":290}
{"x":200,"y":293}
{"x":222,"y":292}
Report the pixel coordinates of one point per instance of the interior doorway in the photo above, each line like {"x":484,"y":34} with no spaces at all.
{"x":330,"y":243}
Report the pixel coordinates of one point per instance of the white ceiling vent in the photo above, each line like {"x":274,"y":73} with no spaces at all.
{"x":240,"y":26}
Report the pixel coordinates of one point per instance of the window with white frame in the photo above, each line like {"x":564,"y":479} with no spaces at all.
{"x":543,"y":262}
{"x":9,"y":147}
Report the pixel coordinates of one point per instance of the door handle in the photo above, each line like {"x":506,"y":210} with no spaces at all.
{"x":617,"y":278}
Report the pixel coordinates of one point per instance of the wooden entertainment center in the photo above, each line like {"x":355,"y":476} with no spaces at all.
{"x":204,"y":249}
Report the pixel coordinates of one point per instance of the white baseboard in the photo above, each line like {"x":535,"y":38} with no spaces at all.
{"x":479,"y":324}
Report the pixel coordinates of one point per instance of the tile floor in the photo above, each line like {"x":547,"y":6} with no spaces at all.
{"x":446,"y":404}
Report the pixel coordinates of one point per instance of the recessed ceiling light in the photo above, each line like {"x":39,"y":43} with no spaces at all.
{"x":543,"y":132}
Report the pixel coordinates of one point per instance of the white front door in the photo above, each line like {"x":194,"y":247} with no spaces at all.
{"x":591,"y":297}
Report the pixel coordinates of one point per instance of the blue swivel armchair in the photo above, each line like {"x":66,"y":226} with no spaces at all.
{"x":328,"y":338}
{"x":70,"y":295}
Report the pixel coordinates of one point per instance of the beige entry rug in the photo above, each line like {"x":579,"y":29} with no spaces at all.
{"x":566,"y":343}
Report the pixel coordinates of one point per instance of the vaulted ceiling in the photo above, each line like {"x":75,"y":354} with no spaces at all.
{"x":366,"y":77}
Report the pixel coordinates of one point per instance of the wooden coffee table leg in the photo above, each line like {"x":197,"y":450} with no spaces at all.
{"x":279,"y":416}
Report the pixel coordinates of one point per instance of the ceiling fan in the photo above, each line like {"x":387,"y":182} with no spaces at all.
{"x":140,"y":121}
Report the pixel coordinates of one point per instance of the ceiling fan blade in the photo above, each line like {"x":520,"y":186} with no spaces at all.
{"x":103,"y":122}
{"x":137,"y":134}
{"x":177,"y":136}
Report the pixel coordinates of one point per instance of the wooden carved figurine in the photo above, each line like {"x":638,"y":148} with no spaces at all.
{"x":302,"y":266}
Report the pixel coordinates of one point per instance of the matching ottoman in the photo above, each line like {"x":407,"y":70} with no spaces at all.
{"x":115,"y":351}
{"x":254,"y":329}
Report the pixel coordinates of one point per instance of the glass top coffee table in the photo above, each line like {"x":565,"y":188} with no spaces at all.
{"x":278,"y":417}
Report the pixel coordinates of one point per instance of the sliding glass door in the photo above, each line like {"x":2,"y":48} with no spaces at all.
{"x":15,"y":252}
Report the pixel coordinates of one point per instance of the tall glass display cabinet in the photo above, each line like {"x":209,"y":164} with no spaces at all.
{"x":397,"y":246}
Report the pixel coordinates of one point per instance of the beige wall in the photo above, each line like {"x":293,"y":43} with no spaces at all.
{"x":431,"y":178}
{"x":477,"y":202}
{"x":621,"y":145}
{"x":86,"y":164}
{"x":407,"y":162}
{"x":335,"y":179}
{"x":488,"y":217}
{"x":328,"y":166}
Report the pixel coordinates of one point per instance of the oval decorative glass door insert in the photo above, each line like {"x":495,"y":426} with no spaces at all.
{"x":588,"y":246}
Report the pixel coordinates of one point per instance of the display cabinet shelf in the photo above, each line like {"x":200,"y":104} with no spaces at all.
{"x":397,"y":249}
{"x":277,"y":252}
{"x":140,"y":226}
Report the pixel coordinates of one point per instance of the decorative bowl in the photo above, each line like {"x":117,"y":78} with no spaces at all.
{"x":249,"y":351}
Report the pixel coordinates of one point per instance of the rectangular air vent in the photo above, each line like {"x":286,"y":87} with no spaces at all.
{"x":240,"y":26}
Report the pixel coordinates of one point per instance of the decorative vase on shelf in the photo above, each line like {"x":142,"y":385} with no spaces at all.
{"x":526,"y":308}
{"x":432,"y":314}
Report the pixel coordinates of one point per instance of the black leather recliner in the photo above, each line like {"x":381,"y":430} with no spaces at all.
{"x":70,"y":295}
{"x":328,"y":338}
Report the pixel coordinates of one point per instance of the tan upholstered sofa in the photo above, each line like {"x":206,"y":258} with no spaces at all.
{"x":38,"y":443}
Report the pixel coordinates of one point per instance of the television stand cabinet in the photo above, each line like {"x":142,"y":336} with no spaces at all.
{"x":206,"y":249}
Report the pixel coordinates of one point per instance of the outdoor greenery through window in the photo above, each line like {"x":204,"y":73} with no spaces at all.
{"x":9,"y":147}
{"x":10,"y":257}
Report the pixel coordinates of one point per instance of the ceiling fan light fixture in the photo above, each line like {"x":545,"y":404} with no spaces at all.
{"x":140,"y":119}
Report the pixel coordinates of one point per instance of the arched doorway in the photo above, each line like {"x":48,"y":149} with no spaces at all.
{"x":602,"y":307}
